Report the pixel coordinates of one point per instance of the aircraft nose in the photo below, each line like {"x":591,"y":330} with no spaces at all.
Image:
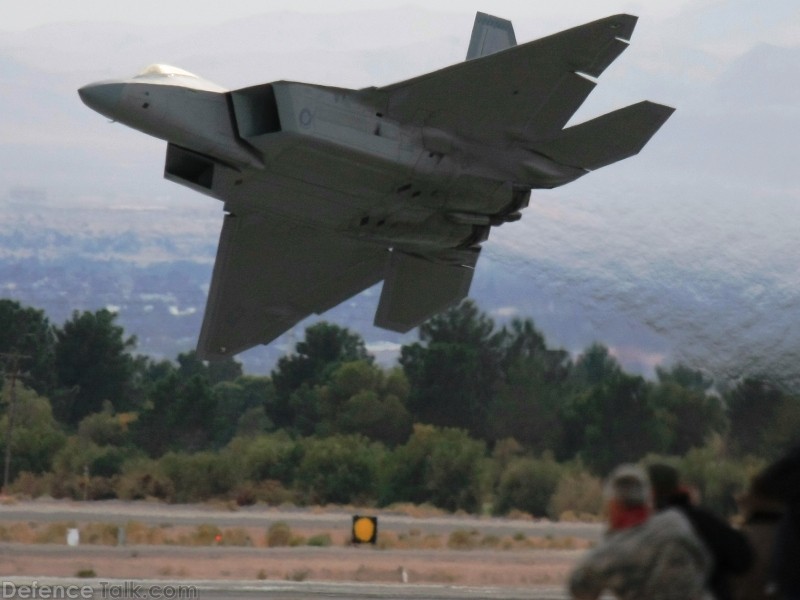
{"x":103,"y":97}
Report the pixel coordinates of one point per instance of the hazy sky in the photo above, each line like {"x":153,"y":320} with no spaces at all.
{"x":39,"y":12}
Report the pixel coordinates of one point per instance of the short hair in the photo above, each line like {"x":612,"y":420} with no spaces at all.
{"x":628,"y":484}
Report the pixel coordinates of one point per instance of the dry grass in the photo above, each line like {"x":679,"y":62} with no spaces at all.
{"x":278,"y":535}
{"x":416,"y":511}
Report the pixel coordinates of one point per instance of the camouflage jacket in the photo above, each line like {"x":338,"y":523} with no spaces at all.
{"x":661,"y":559}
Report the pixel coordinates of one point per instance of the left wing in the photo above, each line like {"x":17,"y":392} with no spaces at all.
{"x":271,"y":273}
{"x":530,"y":90}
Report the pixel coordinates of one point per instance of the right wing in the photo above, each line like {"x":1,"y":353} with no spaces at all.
{"x":527,"y":91}
{"x":271,"y":273}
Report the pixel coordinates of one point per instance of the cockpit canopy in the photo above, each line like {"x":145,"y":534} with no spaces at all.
{"x":164,"y":71}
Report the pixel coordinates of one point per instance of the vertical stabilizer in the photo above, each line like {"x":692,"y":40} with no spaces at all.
{"x":489,"y":35}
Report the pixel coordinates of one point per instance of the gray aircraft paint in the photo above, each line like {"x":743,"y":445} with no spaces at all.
{"x":329,"y":190}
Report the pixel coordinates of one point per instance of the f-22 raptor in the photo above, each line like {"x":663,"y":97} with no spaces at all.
{"x":329,"y":190}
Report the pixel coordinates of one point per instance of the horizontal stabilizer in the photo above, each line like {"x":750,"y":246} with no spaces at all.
{"x":606,"y":139}
{"x":417,"y":287}
{"x":489,"y":35}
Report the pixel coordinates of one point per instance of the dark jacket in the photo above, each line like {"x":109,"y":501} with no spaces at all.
{"x":781,"y":480}
{"x":729,"y":548}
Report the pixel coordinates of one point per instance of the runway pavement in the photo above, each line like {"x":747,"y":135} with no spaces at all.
{"x":49,"y":588}
{"x":119,"y":512}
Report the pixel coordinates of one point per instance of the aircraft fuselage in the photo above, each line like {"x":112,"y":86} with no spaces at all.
{"x":329,"y":157}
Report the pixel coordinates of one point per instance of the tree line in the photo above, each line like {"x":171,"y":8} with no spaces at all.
{"x":475,"y":416}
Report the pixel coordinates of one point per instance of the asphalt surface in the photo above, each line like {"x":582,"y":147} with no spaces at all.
{"x":97,"y":589}
{"x":119,"y":512}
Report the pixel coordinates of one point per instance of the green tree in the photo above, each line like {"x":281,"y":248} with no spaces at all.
{"x":613,"y":422}
{"x":216,"y":371}
{"x":753,"y":406}
{"x":689,"y":414}
{"x":27,"y":331}
{"x":179,"y":415}
{"x":752,"y":409}
{"x":324,"y":348}
{"x":380,"y":418}
{"x":247,"y":395}
{"x":527,"y":402}
{"x":361,"y":398}
{"x":454,"y":369}
{"x":92,"y":364}
{"x":784,"y":433}
{"x":686,"y":377}
{"x":36,"y":437}
{"x":595,"y":366}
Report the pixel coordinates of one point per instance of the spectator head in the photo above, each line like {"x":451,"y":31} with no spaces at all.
{"x":628,"y":493}
{"x":665,"y":483}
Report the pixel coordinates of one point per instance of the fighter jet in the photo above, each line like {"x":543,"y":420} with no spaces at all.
{"x":328,"y":190}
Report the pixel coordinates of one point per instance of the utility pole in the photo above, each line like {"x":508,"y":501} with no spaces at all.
{"x":12,"y":406}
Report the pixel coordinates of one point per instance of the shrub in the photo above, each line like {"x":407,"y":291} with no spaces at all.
{"x":54,"y":533}
{"x":321,"y":540}
{"x":103,"y":428}
{"x":85,"y":573}
{"x":719,"y":480}
{"x":298,"y":575}
{"x":201,"y":475}
{"x":30,"y":485}
{"x":236,"y":537}
{"x":142,"y":479}
{"x":271,"y":492}
{"x":205,"y":535}
{"x":442,"y":466}
{"x":580,"y":493}
{"x":461,"y":539}
{"x":339,"y":469}
{"x":528,"y":484}
{"x":279,"y":534}
{"x":99,"y":533}
{"x":274,"y":457}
